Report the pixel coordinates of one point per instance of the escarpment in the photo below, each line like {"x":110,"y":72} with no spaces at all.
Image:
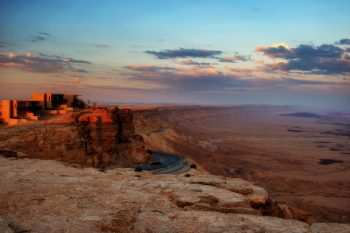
{"x":95,"y":137}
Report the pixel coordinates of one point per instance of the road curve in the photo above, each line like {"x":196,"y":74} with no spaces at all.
{"x":165,"y":163}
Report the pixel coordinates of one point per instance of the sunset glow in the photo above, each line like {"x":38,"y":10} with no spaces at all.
{"x":202,"y":52}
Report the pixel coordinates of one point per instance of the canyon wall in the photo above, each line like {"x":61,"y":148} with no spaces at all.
{"x":95,"y":137}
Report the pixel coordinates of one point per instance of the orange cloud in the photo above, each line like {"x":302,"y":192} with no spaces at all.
{"x":276,"y":50}
{"x":39,"y":63}
{"x":198,"y":72}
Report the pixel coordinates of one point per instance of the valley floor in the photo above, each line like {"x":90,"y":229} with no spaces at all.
{"x":279,"y":153}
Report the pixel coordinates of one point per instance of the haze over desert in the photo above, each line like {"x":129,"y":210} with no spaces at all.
{"x":258,"y":144}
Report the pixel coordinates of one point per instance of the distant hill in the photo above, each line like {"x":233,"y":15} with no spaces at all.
{"x":302,"y":114}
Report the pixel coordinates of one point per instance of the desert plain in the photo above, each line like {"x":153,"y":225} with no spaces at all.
{"x":283,"y":154}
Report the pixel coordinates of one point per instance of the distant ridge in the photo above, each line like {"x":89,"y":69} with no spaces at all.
{"x":302,"y":114}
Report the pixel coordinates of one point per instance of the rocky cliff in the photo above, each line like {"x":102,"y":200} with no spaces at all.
{"x":47,"y":196}
{"x":95,"y":137}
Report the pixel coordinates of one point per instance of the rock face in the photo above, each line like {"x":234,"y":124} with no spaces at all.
{"x":47,"y":196}
{"x":97,"y":138}
{"x":124,"y":121}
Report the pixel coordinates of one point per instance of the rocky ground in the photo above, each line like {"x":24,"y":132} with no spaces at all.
{"x":228,"y":145}
{"x":48,"y":196}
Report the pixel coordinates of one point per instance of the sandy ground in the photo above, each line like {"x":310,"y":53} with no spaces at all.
{"x":279,"y":153}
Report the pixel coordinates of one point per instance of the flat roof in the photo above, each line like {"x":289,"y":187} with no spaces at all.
{"x":53,"y":93}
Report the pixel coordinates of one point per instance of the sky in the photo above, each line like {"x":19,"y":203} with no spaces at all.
{"x":184,"y":51}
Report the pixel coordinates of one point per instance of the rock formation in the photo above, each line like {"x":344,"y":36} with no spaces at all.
{"x":124,"y":122}
{"x":47,"y":196}
{"x":96,"y":137}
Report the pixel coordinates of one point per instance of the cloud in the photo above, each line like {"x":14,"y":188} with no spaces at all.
{"x":40,"y":36}
{"x":44,"y":34}
{"x":344,"y":42}
{"x":195,"y":81}
{"x":280,"y":50}
{"x":233,"y":59}
{"x":65,"y":59}
{"x":315,"y":66}
{"x":4,"y":44}
{"x":307,"y":82}
{"x":37,"y":38}
{"x":39,"y":63}
{"x":324,"y":51}
{"x":147,"y":68}
{"x":323,"y":59}
{"x":102,"y":46}
{"x":29,"y":62}
{"x":184,"y":53}
{"x":71,"y":60}
{"x":209,"y":79}
{"x":182,"y":79}
{"x":190,"y":62}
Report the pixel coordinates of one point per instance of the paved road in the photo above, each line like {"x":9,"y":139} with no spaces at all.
{"x":165,"y":163}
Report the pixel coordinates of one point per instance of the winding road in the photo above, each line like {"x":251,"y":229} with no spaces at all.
{"x":165,"y":163}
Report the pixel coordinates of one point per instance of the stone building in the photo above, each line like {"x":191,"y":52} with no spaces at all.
{"x":17,"y":111}
{"x":55,"y":101}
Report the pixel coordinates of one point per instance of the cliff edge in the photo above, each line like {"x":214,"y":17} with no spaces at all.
{"x":47,"y":196}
